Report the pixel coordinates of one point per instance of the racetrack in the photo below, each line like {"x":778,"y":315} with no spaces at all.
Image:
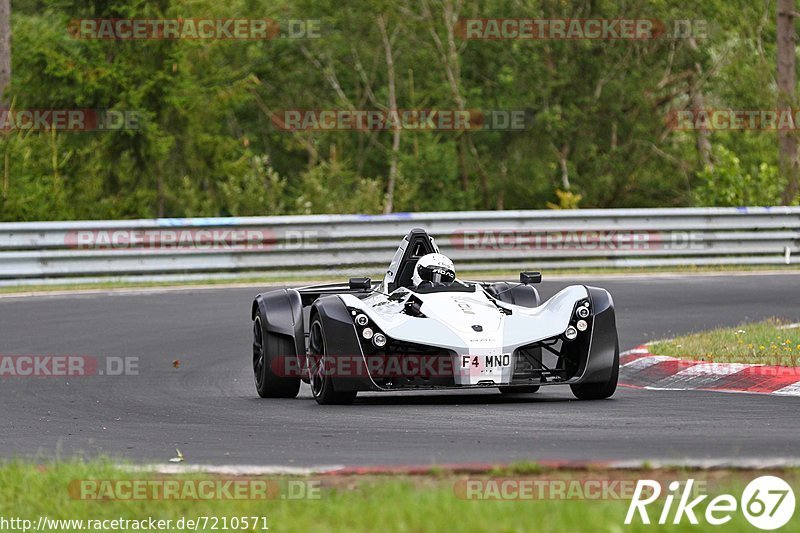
{"x":209,"y":409}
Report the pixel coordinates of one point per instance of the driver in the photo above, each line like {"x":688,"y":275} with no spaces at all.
{"x":433,"y":269}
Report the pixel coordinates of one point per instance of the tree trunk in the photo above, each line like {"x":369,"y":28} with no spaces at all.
{"x":159,"y":207}
{"x":6,"y":158}
{"x":388,"y":204}
{"x":702,"y":143}
{"x":5,"y":48}
{"x":501,"y":193}
{"x":787,"y":78}
{"x":562,"y":163}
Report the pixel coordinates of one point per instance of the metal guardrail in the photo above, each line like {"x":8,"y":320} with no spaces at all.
{"x":476,"y":241}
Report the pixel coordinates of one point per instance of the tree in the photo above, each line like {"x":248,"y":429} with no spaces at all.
{"x":387,"y":46}
{"x":5,"y":47}
{"x":5,"y":76}
{"x":206,"y":144}
{"x":787,"y":78}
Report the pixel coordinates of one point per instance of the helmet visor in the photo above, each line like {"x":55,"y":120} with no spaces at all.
{"x":437,"y":274}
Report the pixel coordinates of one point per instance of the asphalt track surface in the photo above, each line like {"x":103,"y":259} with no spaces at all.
{"x":209,"y":409}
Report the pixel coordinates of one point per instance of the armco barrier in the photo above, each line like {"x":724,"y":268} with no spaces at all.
{"x":476,"y":240}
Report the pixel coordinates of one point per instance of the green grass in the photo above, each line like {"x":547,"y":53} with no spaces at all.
{"x":521,"y":468}
{"x":371,"y":503}
{"x":465,"y":273}
{"x":112,"y":285}
{"x":761,"y":342}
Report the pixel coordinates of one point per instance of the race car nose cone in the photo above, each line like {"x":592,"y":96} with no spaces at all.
{"x":477,"y":327}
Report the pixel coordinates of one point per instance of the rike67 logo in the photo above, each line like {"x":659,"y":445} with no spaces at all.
{"x":767,"y":503}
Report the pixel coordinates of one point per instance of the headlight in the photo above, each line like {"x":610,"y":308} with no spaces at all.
{"x":367,"y":333}
{"x":379,"y":340}
{"x":362,"y":320}
{"x":582,"y":325}
{"x":571,"y":333}
{"x":583,"y":312}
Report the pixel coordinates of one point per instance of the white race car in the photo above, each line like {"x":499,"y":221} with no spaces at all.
{"x":397,"y":336}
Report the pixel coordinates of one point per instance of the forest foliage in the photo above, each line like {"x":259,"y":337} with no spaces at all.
{"x":597,"y":134}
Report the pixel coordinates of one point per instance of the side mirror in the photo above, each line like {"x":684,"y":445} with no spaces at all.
{"x":360,"y":284}
{"x":527,"y":278}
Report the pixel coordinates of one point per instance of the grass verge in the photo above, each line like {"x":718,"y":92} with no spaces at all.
{"x":367,"y":503}
{"x":771,"y":342}
{"x":296,"y":280}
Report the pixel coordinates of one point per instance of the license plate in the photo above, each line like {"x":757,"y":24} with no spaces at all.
{"x":486,"y":361}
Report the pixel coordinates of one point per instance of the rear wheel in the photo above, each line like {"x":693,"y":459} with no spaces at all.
{"x":599,"y":391}
{"x":322,"y":383}
{"x":526,"y":389}
{"x":270,"y":351}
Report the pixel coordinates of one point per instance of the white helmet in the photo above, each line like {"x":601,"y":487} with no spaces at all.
{"x":435,"y":268}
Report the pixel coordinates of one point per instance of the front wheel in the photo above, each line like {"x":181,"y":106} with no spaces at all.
{"x":602,"y":390}
{"x":269,"y":352}
{"x":319,"y":373}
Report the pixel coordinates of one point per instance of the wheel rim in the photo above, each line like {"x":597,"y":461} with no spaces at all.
{"x":316,"y":359}
{"x":259,"y":357}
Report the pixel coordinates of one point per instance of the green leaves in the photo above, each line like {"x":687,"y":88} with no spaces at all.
{"x":731,"y":183}
{"x":206,"y":144}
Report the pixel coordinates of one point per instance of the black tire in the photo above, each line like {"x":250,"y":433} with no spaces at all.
{"x":599,"y":391}
{"x":525,"y":389}
{"x":268,"y":348}
{"x":323,"y":386}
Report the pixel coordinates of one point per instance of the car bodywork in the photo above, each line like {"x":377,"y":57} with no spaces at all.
{"x":391,"y":336}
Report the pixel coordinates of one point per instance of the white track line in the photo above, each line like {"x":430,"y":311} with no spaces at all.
{"x":232,"y":470}
{"x":632,"y":464}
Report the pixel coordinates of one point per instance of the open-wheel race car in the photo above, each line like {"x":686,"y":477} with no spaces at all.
{"x":422,"y":329}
